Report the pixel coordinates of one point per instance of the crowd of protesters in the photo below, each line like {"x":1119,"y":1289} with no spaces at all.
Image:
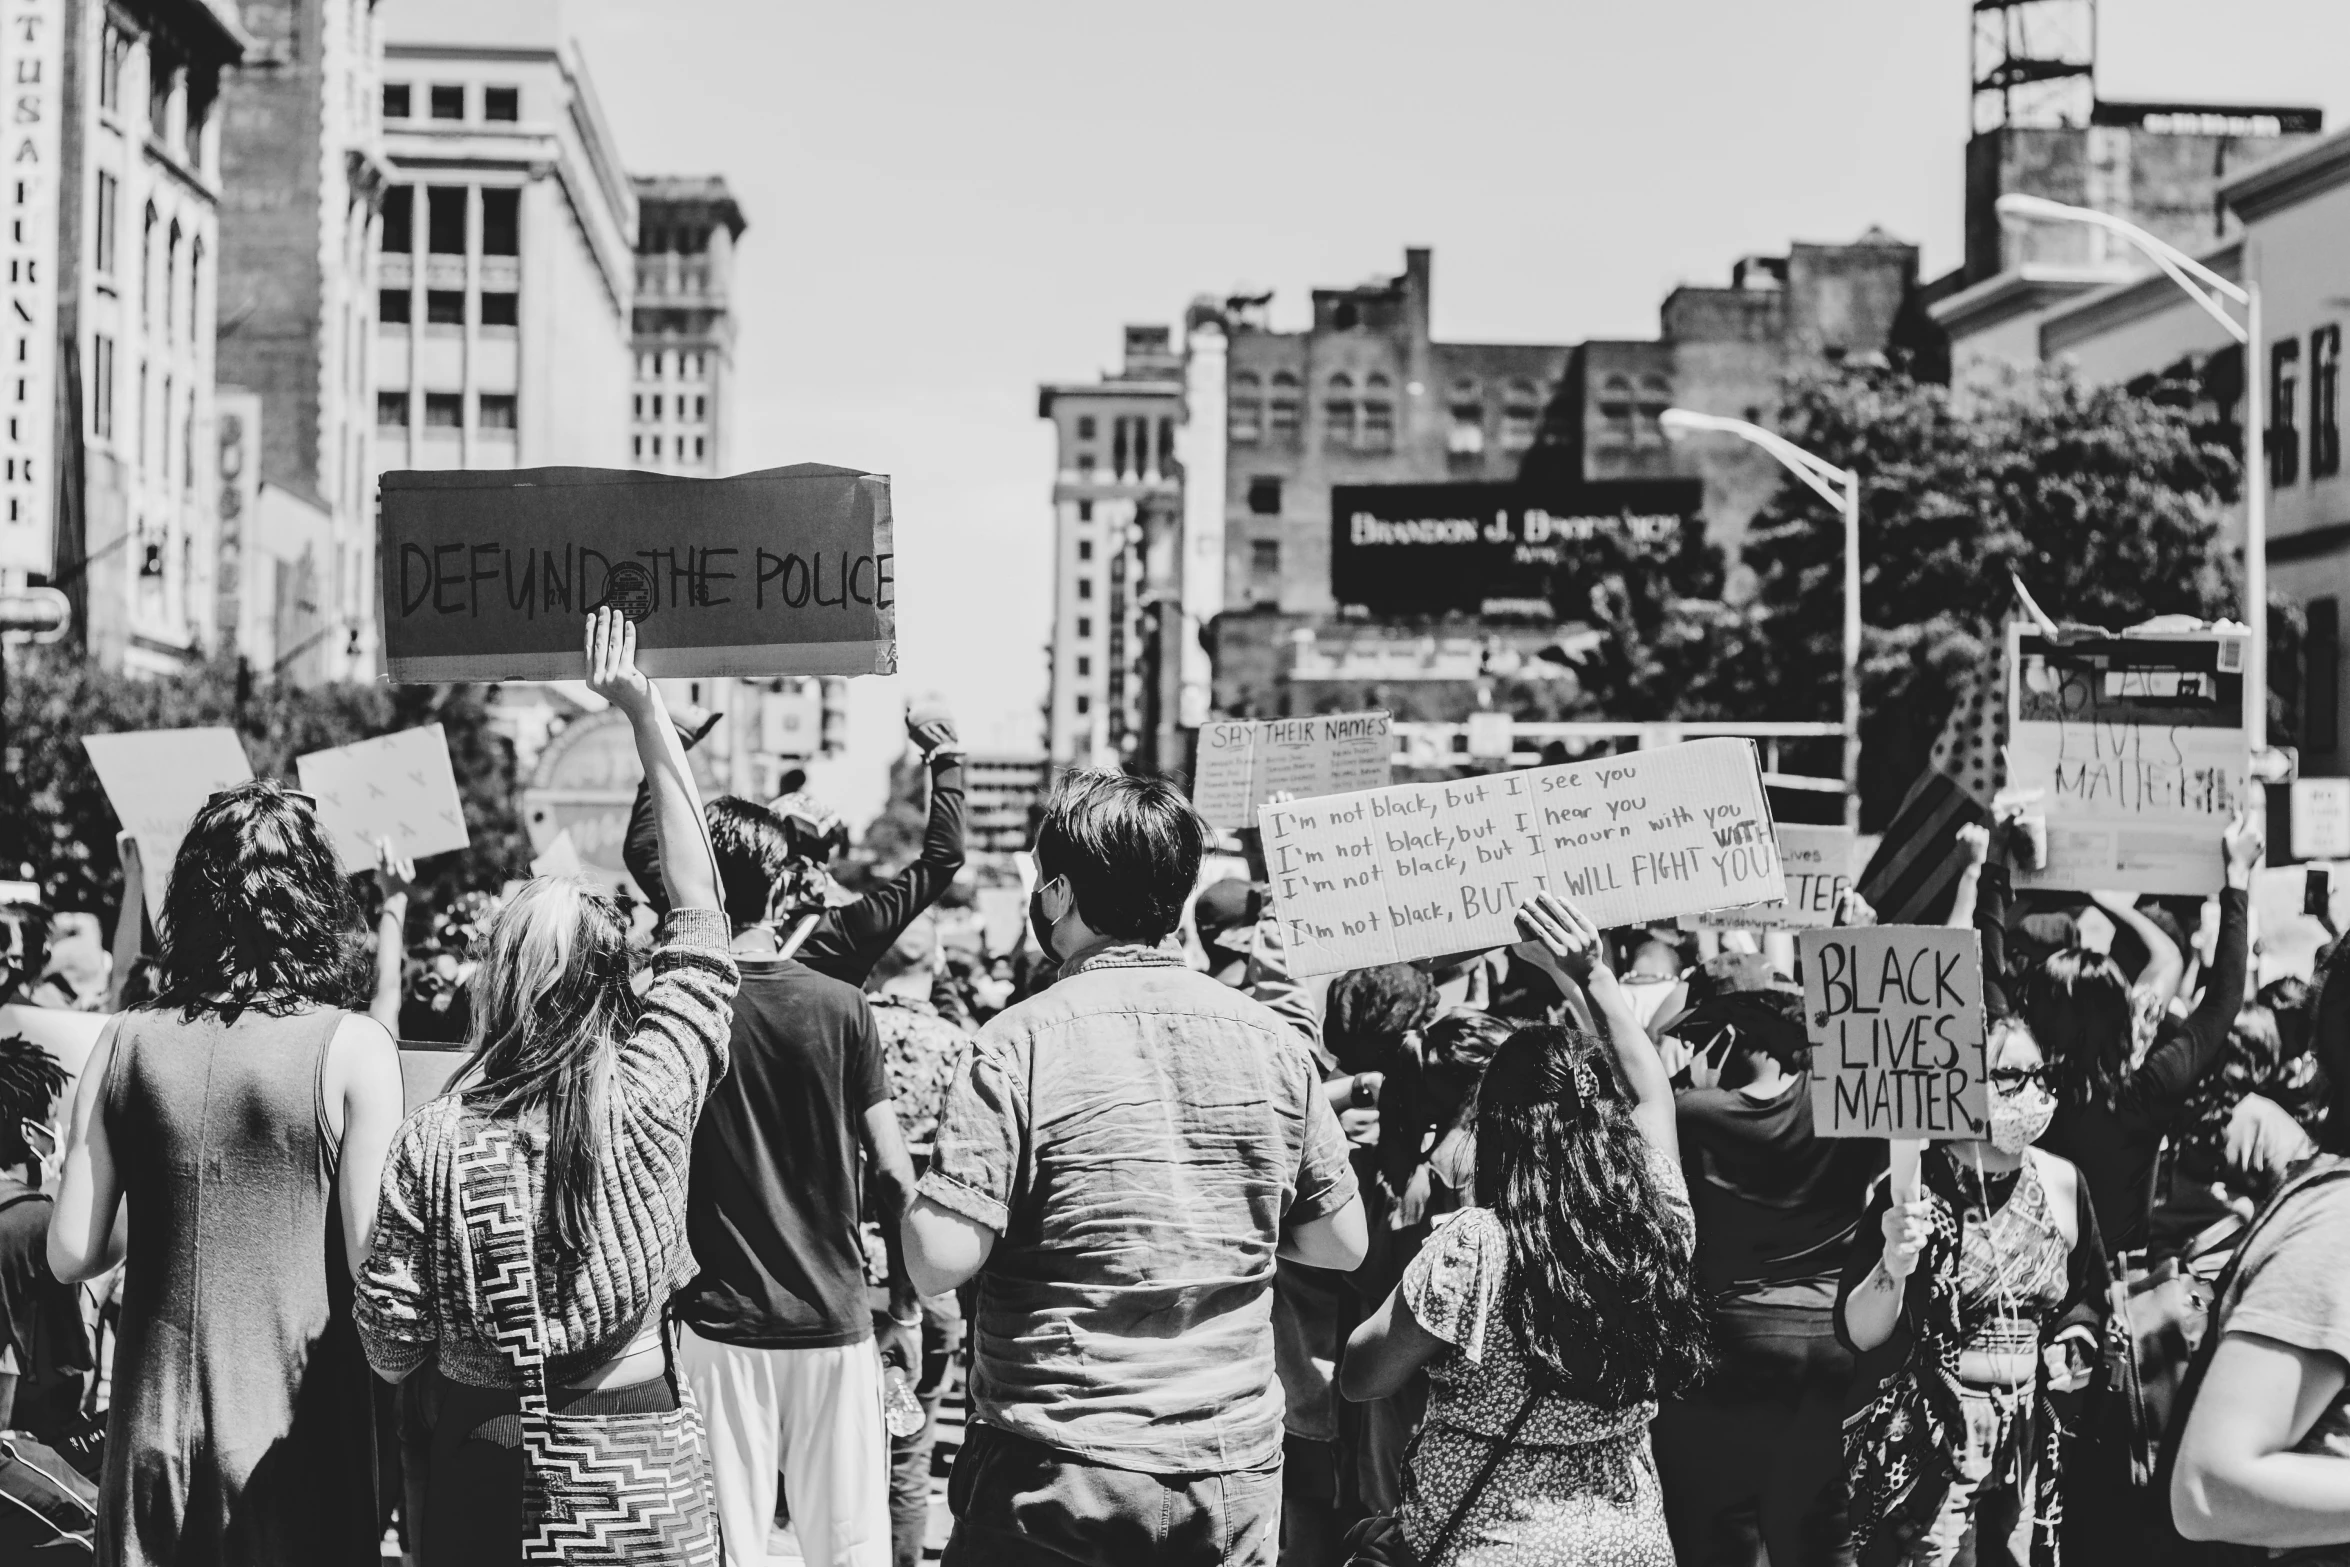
{"x":1507,"y":1258}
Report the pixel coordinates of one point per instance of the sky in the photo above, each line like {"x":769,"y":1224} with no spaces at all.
{"x":952,"y":203}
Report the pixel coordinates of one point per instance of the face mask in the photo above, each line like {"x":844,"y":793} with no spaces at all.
{"x":1041,"y":923}
{"x":2018,"y":1119}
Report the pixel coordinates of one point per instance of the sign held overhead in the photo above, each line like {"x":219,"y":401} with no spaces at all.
{"x":1242,"y":762}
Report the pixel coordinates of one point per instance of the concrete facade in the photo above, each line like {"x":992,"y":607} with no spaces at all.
{"x":139,"y":247}
{"x":683,"y":326}
{"x":302,"y":170}
{"x":1116,"y":558}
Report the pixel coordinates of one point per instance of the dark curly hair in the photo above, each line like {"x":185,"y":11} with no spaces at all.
{"x":257,"y":909}
{"x":1369,"y":1010}
{"x":30,"y":1081}
{"x":2078,"y":1004}
{"x":1605,"y":1295}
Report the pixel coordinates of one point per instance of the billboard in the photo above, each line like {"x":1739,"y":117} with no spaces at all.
{"x":1433,"y":549}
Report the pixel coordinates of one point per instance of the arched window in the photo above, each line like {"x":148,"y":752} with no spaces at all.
{"x":1519,"y":413}
{"x":1338,"y":411}
{"x":1656,"y":395}
{"x":147,"y":267}
{"x":1282,"y":408}
{"x":171,"y":276}
{"x":1283,"y":378}
{"x":1342,"y":382}
{"x":1615,"y":411}
{"x":195,"y":286}
{"x":1464,"y":386}
{"x":1377,"y":381}
{"x":1245,"y":414}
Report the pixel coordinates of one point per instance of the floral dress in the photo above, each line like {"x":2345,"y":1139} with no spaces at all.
{"x":1579,"y":1484}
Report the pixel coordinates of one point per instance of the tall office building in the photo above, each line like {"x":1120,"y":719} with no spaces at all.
{"x":678,"y":415}
{"x":302,"y":169}
{"x":135,"y":219}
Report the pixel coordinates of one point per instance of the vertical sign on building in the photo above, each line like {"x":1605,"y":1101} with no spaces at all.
{"x":31,"y":64}
{"x":240,"y":488}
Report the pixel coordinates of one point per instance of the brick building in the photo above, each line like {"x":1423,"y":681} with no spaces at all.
{"x":302,"y":169}
{"x":683,"y":325}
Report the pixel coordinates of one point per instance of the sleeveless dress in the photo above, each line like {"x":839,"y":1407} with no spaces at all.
{"x":242,"y":1431}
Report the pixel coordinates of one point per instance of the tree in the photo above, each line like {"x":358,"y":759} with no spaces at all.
{"x":2106,"y":503}
{"x":55,"y":816}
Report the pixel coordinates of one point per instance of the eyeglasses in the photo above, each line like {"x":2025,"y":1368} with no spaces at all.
{"x":2010,"y":1078}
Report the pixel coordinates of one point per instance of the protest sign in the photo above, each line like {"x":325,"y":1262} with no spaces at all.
{"x":1417,"y":870}
{"x":157,"y":780}
{"x":1819,"y":863}
{"x":1242,"y":762}
{"x":2321,"y":818}
{"x":487,"y":575}
{"x":396,"y":786}
{"x":559,"y":858}
{"x":2135,"y":747}
{"x":1895,"y":1014}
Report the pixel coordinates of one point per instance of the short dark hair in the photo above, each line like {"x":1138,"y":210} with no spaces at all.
{"x":752,"y":846}
{"x":1129,"y":847}
{"x":256,"y":909}
{"x":30,"y":1081}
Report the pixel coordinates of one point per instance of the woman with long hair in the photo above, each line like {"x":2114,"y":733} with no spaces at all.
{"x":1552,"y":1316}
{"x":238,"y":1121}
{"x":1985,"y":1293}
{"x":550,"y":1183}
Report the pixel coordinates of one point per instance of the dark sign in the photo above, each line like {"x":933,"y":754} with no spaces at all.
{"x":2212,"y":119}
{"x":1425,"y":549}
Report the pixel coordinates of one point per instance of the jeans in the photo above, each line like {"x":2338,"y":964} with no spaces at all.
{"x":1753,"y":1464}
{"x":1019,"y":1503}
{"x":909,"y":1456}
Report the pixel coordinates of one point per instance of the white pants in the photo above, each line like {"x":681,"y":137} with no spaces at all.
{"x":815,"y":1414}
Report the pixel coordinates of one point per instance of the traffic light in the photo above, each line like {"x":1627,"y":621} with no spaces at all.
{"x":41,"y":614}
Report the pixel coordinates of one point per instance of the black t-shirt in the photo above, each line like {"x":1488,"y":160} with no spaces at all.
{"x":40,"y":1320}
{"x":1775,"y":1204}
{"x":772,"y":1212}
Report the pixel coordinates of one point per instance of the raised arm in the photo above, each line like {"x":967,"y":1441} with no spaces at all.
{"x":2165,"y":964}
{"x":851,"y":939}
{"x":394,"y":875}
{"x":689,"y":867}
{"x":2187,"y":1051}
{"x":1562,"y":939}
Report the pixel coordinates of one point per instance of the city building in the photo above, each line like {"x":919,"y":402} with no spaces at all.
{"x":301,"y":171}
{"x":2040,"y":129}
{"x":1117,"y":515}
{"x":506,"y":271}
{"x":134,"y":219}
{"x":1003,"y":801}
{"x":683,"y":325}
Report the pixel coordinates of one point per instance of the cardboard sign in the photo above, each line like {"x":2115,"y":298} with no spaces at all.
{"x":1241,"y":763}
{"x":559,"y":858}
{"x":2136,"y":748}
{"x":397,"y":786}
{"x":489,"y":575}
{"x":1819,"y":863}
{"x":1418,"y":870}
{"x":157,"y":780}
{"x":2321,"y":818}
{"x":1895,"y":1014}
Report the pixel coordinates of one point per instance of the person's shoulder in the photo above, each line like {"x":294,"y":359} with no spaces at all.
{"x":2320,"y":1207}
{"x":1471,"y":1233}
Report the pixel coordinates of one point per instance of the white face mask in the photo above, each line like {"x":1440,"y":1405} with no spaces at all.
{"x":2019,"y":1118}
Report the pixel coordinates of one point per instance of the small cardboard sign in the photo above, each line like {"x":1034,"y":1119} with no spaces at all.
{"x":1895,"y":1014}
{"x":2321,"y":818}
{"x":1419,"y":870}
{"x":1242,"y":762}
{"x":396,"y":786}
{"x":488,"y":575}
{"x":1819,"y":864}
{"x":157,"y":780}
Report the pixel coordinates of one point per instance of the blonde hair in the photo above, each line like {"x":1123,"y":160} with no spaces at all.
{"x":551,"y":1002}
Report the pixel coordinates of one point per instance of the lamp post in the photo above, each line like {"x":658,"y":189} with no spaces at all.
{"x":2207,"y":288}
{"x":1840,"y":488}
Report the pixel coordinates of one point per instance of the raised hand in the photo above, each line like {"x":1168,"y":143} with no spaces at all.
{"x":1563,"y":931}
{"x":611,"y":662}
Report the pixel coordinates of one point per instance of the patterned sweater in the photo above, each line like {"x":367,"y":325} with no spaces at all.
{"x":417,"y":1298}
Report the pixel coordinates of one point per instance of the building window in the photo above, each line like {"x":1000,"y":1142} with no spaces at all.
{"x":1084,"y":666}
{"x":636,"y":446}
{"x":1378,"y":428}
{"x":1085,"y":587}
{"x":501,"y":307}
{"x":658,"y":402}
{"x":392,"y":306}
{"x":112,"y":47}
{"x":139,"y":450}
{"x":699,"y":448}
{"x":495,"y":411}
{"x":1468,"y":430}
{"x":1264,"y":557}
{"x":2284,"y":412}
{"x":1338,"y":412}
{"x":656,"y":447}
{"x":2321,"y":646}
{"x":399,"y":230}
{"x":1084,"y":627}
{"x":444,"y":220}
{"x":1085,"y":549}
{"x":501,"y":222}
{"x":448,"y":103}
{"x":444,"y":307}
{"x":147,"y":269}
{"x":391,"y":410}
{"x":1519,"y":413}
{"x":1648,"y":424}
{"x":102,"y":387}
{"x":1084,"y":704}
{"x":636,"y":405}
{"x":2325,"y":402}
{"x":1085,"y":462}
{"x":1264,"y":495}
{"x":501,"y":103}
{"x":195,"y":288}
{"x":701,"y":407}
{"x":443,"y":410}
{"x":163,"y":74}
{"x":395,"y":100}
{"x":109,"y":195}
{"x":1085,"y":511}
{"x":171,"y":277}
{"x":1086,"y":428}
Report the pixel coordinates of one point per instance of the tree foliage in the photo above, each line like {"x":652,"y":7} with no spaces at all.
{"x":54,"y":815}
{"x":2106,"y":504}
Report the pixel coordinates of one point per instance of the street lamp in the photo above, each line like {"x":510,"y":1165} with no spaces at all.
{"x":1840,"y":488}
{"x":2207,"y":288}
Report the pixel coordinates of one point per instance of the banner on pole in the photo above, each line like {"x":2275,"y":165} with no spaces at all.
{"x":2136,"y":748}
{"x":396,"y":786}
{"x":1418,"y":870}
{"x":1241,"y":762}
{"x":1895,"y":1014}
{"x":1819,"y":862}
{"x":157,"y":780}
{"x":487,"y":575}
